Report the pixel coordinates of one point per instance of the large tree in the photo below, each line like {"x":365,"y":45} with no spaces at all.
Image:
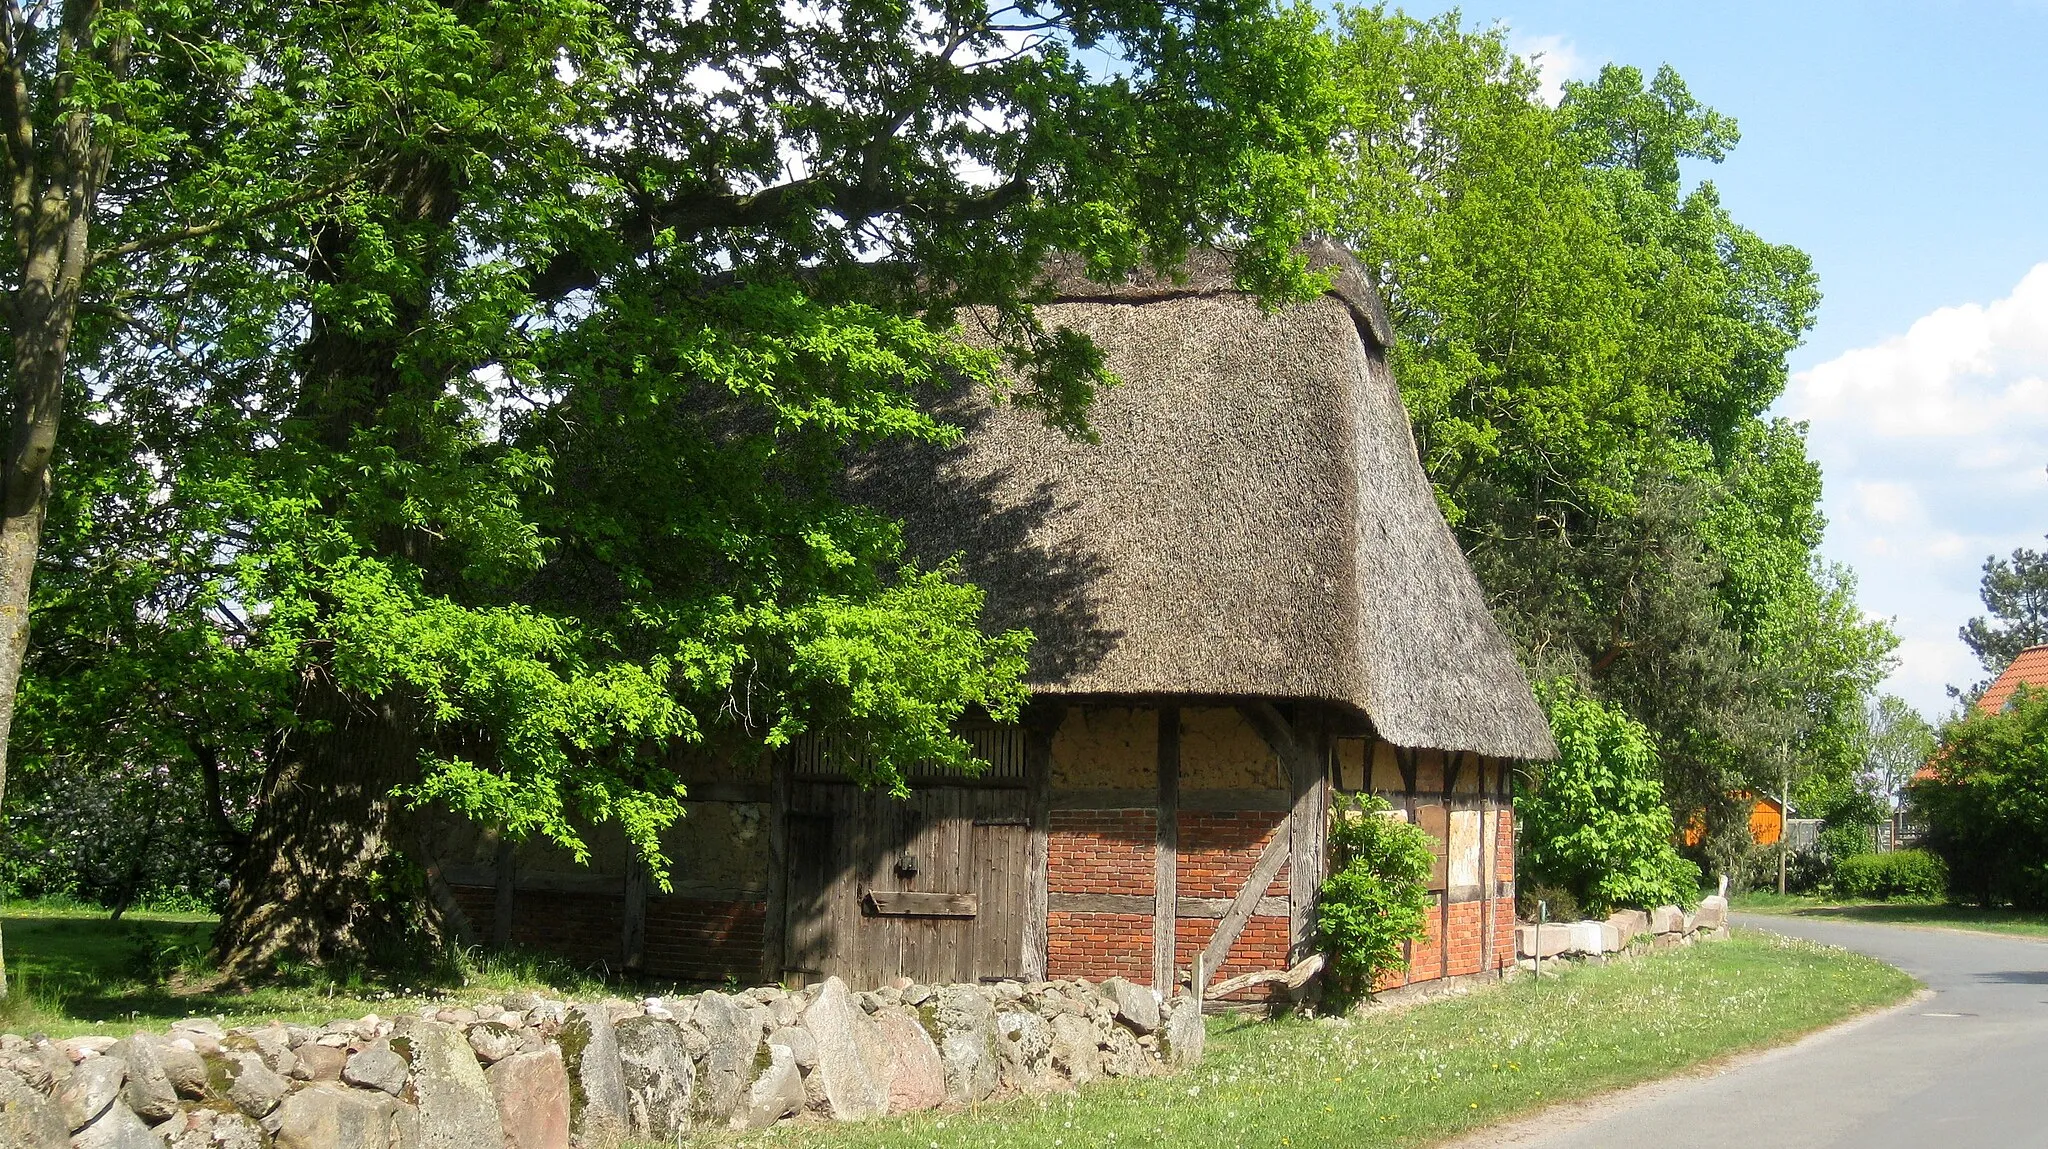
{"x":507,"y":468}
{"x":1589,"y":349}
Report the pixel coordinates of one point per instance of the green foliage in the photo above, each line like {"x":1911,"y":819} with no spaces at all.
{"x":1589,"y":350}
{"x":1537,"y":900}
{"x":1846,"y":840}
{"x":509,"y":387}
{"x":1899,"y":874}
{"x":1594,"y":821}
{"x":1987,"y":804}
{"x":1376,"y":895}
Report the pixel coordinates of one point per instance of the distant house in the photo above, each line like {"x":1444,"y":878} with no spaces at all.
{"x":2028,"y":668}
{"x":1766,"y":820}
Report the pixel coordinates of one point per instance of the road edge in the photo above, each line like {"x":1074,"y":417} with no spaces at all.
{"x":1566,"y":1116}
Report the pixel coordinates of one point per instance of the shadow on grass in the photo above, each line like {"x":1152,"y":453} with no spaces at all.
{"x":73,"y":967}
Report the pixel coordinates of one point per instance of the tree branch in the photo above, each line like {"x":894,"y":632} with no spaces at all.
{"x":201,"y":230}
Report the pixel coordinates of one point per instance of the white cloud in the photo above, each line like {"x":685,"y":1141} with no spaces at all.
{"x":1933,"y":443}
{"x":1556,"y":59}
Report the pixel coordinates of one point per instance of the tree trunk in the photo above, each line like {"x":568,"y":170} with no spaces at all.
{"x":52,"y":191}
{"x":317,"y":880}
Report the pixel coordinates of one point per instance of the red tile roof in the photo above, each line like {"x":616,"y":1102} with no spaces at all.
{"x":2030,"y":666}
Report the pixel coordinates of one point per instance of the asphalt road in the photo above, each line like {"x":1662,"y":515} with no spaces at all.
{"x":1965,"y":1067}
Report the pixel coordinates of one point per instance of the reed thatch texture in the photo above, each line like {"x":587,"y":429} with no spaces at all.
{"x":1252,"y":522}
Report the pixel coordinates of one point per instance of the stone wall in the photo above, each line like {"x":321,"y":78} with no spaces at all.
{"x":1622,"y":934}
{"x":528,"y":1073}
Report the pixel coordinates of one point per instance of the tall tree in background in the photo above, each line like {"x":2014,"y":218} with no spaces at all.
{"x":1588,"y":351}
{"x":2015,"y":592}
{"x":502,"y":472}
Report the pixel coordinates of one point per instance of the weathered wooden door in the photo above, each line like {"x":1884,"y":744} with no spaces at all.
{"x":931,"y":887}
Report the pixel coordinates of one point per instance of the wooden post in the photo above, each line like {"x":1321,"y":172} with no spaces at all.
{"x":1489,"y":833}
{"x":1166,"y":851}
{"x":1037,"y":851}
{"x":775,"y":920}
{"x":502,"y":908}
{"x":1307,"y":831}
{"x":633,"y":941}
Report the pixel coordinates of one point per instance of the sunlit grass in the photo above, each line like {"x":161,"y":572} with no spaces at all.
{"x":2023,"y":923}
{"x":1433,"y":1071}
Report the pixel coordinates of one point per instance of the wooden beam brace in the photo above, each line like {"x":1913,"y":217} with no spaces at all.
{"x":1246,"y":903}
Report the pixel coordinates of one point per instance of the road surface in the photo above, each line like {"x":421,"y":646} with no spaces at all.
{"x":1964,"y":1067}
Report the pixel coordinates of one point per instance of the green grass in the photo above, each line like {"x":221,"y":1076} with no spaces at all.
{"x":2024,"y":923}
{"x":1423,"y":1074}
{"x":72,"y":971}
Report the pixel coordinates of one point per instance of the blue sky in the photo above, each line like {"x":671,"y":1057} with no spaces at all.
{"x":1905,"y":147}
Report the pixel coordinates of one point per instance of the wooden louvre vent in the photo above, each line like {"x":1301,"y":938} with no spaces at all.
{"x":832,"y":758}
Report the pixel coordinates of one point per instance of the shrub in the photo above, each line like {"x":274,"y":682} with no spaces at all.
{"x":1901,"y":874}
{"x":1376,"y":896}
{"x":1986,"y":805}
{"x":1558,"y":903}
{"x":1594,"y":821}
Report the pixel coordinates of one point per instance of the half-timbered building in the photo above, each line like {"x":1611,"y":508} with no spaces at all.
{"x":1246,"y":603}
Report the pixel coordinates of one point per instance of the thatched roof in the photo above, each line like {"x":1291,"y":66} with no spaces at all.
{"x":1252,"y":522}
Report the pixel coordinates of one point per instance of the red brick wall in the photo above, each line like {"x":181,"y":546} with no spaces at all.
{"x":1217,"y":852}
{"x":692,"y":938}
{"x":1096,"y":946}
{"x":1100,"y":852}
{"x":686,"y":937}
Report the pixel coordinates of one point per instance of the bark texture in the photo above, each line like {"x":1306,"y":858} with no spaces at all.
{"x":52,"y":189}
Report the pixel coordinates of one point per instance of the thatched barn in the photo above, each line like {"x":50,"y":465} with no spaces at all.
{"x":1246,"y":601}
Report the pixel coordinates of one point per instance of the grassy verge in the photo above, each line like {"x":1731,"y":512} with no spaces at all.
{"x":72,"y":971}
{"x":2024,"y":923}
{"x":1419,"y":1075}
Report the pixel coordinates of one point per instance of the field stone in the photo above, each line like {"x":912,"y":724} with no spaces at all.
{"x":917,"y":1080}
{"x":456,"y":1108}
{"x":1135,"y":1005}
{"x":659,"y":1078}
{"x":80,"y":1048}
{"x":1076,"y":1048}
{"x":202,"y":1128}
{"x":1123,"y":1056}
{"x":1023,"y":1049}
{"x":1184,"y":1035}
{"x":243,"y":1079}
{"x":333,"y":1116}
{"x":776,"y":1094}
{"x":149,"y":1091}
{"x":803,"y":1048}
{"x":732,"y":1035}
{"x":90,"y":1091}
{"x":597,"y":1091}
{"x":852,"y":1084}
{"x":376,"y":1066}
{"x":532,"y":1091}
{"x":1713,"y":913}
{"x":320,"y":1062}
{"x":493,"y":1041}
{"x":28,"y":1120}
{"x":1667,"y":920}
{"x":116,"y":1128}
{"x":964,"y":1023}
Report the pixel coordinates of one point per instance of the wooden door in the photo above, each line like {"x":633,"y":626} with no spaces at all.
{"x":930,"y":887}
